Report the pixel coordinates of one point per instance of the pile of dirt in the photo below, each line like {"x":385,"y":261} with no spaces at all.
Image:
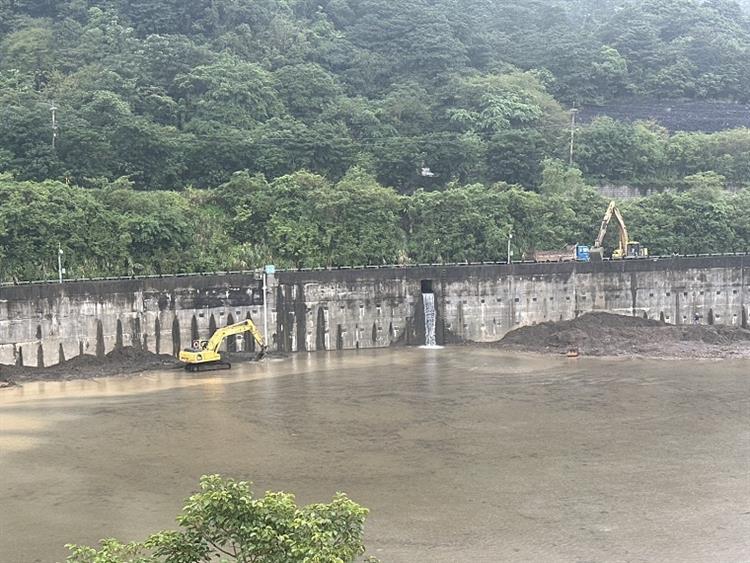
{"x":122,"y":361}
{"x":605,"y":334}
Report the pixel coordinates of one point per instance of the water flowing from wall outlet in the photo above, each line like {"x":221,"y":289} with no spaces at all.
{"x":429,"y":320}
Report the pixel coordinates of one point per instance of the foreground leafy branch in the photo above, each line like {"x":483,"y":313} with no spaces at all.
{"x":224,"y":522}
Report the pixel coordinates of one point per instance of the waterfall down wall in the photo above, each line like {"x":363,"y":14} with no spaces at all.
{"x":429,"y":319}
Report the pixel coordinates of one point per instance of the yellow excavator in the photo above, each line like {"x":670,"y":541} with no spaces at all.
{"x":627,"y":248}
{"x":205,"y":353}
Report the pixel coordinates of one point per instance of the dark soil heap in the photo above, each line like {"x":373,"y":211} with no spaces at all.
{"x":605,"y":334}
{"x":122,"y":361}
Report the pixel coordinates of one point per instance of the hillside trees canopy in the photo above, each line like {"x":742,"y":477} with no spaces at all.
{"x":173,"y":93}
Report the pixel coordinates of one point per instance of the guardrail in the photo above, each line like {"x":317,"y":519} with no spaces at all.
{"x":259,"y":272}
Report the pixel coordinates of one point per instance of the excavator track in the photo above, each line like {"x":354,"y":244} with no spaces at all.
{"x":213,"y":366}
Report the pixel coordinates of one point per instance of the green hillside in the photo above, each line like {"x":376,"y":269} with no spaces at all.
{"x":214,"y":134}
{"x":173,"y":93}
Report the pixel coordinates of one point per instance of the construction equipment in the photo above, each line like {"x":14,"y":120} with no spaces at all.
{"x":205,"y":353}
{"x":627,"y":248}
{"x":572,"y":252}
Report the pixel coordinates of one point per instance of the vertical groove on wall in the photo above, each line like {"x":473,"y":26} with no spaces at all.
{"x":118,"y":335}
{"x":40,"y":356}
{"x":176,"y":340}
{"x":99,"y":339}
{"x":194,"y":329}
{"x":157,"y":334}
{"x":137,"y":336}
{"x":232,"y":340}
{"x":320,"y":330}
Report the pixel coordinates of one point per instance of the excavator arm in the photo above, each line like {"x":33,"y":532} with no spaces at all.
{"x":605,"y":225}
{"x":238,"y":328}
{"x":627,"y":248}
{"x":613,"y":211}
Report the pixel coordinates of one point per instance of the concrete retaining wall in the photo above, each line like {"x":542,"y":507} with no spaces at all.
{"x":359,"y":308}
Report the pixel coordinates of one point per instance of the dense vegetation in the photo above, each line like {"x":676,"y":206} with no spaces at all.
{"x":199,"y":135}
{"x":305,"y":220}
{"x":174,"y":93}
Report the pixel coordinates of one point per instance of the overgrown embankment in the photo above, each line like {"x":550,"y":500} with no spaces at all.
{"x":605,"y":334}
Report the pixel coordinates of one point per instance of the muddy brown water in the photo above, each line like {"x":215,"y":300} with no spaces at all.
{"x":461,"y":454}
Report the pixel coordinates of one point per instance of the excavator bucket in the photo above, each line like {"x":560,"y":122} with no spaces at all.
{"x":261,"y":354}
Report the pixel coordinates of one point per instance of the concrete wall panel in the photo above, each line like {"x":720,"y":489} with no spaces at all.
{"x":360,"y":308}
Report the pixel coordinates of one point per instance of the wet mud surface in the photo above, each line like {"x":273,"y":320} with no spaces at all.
{"x":461,"y":454}
{"x":604,"y":334}
{"x":122,"y":361}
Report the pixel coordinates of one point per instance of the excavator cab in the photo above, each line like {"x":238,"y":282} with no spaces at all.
{"x":634,"y":250}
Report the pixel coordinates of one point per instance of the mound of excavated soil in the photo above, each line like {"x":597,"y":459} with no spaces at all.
{"x":123,"y":361}
{"x":605,"y":334}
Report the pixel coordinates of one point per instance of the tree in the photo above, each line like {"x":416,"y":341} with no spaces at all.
{"x":229,"y":91}
{"x":360,"y":221}
{"x":306,"y":89}
{"x":612,"y":151}
{"x":38,"y":217}
{"x":224,"y":520}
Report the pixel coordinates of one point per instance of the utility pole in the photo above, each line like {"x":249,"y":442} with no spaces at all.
{"x":265,"y":308}
{"x":59,"y":263}
{"x":53,"y":109}
{"x":269,"y":270}
{"x":573,"y":113}
{"x":510,"y":238}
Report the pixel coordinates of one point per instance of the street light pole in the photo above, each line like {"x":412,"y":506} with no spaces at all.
{"x":59,"y":263}
{"x":510,"y":238}
{"x":53,"y":109}
{"x":573,"y":113}
{"x":265,"y":307}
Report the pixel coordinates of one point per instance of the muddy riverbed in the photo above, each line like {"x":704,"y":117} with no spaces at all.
{"x":461,"y":454}
{"x":605,"y":334}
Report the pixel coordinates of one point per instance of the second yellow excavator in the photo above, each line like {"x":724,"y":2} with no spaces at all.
{"x":627,"y":248}
{"x":205,"y":354}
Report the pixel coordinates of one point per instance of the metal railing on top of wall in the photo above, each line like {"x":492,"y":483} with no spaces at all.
{"x":259,"y":272}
